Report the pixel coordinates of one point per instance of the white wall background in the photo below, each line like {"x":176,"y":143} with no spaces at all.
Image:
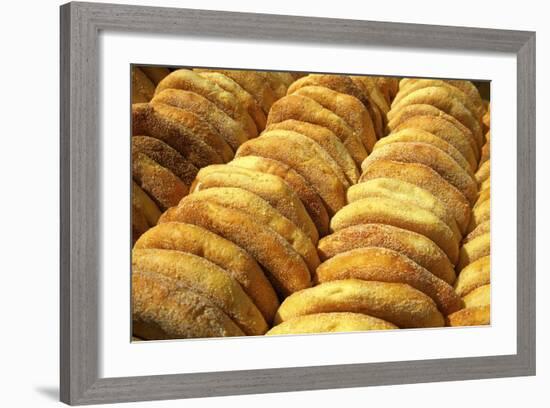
{"x":29,"y":203}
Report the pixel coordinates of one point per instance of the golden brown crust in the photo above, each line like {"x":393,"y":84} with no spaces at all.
{"x":401,"y":215}
{"x":431,"y":156}
{"x":374,"y":92}
{"x":474,"y":316}
{"x":483,"y":172}
{"x":338,"y":83}
{"x":142,"y":87}
{"x":243,"y":97}
{"x":197,"y":126}
{"x":454,"y":89}
{"x":162,"y":310}
{"x":287,"y":270}
{"x":305,"y":109}
{"x":480,"y":214}
{"x":327,"y":140}
{"x":288,"y":149}
{"x":406,"y":192}
{"x":483,"y":228}
{"x":205,"y":278}
{"x":263,"y":213}
{"x":480,"y":296}
{"x":474,"y":249}
{"x":389,"y":86}
{"x":426,"y":178}
{"x":419,"y":135}
{"x":330,"y":323}
{"x":278,"y":82}
{"x":191,"y":81}
{"x":229,"y":129}
{"x":166,"y":156}
{"x":379,"y":118}
{"x":147,"y":206}
{"x":311,"y":200}
{"x":348,"y":108}
{"x":386,"y":265}
{"x":163,"y":186}
{"x":443,"y":99}
{"x":253,"y":82}
{"x":271,"y":188}
{"x":149,"y":120}
{"x":396,"y":303}
{"x":230,"y":257}
{"x":417,"y":247}
{"x":434,"y":120}
{"x":476,"y":274}
{"x":483,"y":196}
{"x":313,"y":148}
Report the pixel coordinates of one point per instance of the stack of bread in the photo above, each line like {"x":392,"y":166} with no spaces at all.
{"x":282,"y":233}
{"x":269,"y":205}
{"x":187,"y":119}
{"x":474,"y":265}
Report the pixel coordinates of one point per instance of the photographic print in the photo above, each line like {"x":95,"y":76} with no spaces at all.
{"x":277,"y":203}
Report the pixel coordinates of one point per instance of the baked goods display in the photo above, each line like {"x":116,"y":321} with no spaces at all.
{"x":282,"y":203}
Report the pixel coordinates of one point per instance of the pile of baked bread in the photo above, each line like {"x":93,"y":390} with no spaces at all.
{"x":284,"y":203}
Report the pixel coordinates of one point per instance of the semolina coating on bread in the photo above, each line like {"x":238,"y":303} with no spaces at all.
{"x":305,"y":109}
{"x":398,"y":214}
{"x":480,"y":214}
{"x":396,"y":303}
{"x":434,"y":120}
{"x":480,"y":296}
{"x":445,"y":100}
{"x":269,"y":187}
{"x":243,"y":97}
{"x":347,"y":107}
{"x":228,"y":256}
{"x":163,"y":186}
{"x":228,"y":128}
{"x":319,"y":149}
{"x":205,"y":278}
{"x":263,"y":213}
{"x":287,"y":148}
{"x":474,"y":249}
{"x":327,"y":141}
{"x":425,"y":177}
{"x":309,"y":197}
{"x":196,"y":125}
{"x":417,"y":247}
{"x":476,"y":274}
{"x":166,"y":156}
{"x":163,"y":310}
{"x":330,"y":323}
{"x":386,"y":265}
{"x":482,"y":228}
{"x":419,"y":135}
{"x":475,"y":106}
{"x":472,"y":316}
{"x":431,"y":156}
{"x":286,"y":270}
{"x":256,"y":83}
{"x":191,"y":81}
{"x":153,"y":120}
{"x":406,"y":192}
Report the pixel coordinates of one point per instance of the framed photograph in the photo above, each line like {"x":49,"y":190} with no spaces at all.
{"x":261,"y":203}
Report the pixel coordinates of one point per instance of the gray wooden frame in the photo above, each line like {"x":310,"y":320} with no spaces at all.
{"x":80,"y":192}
